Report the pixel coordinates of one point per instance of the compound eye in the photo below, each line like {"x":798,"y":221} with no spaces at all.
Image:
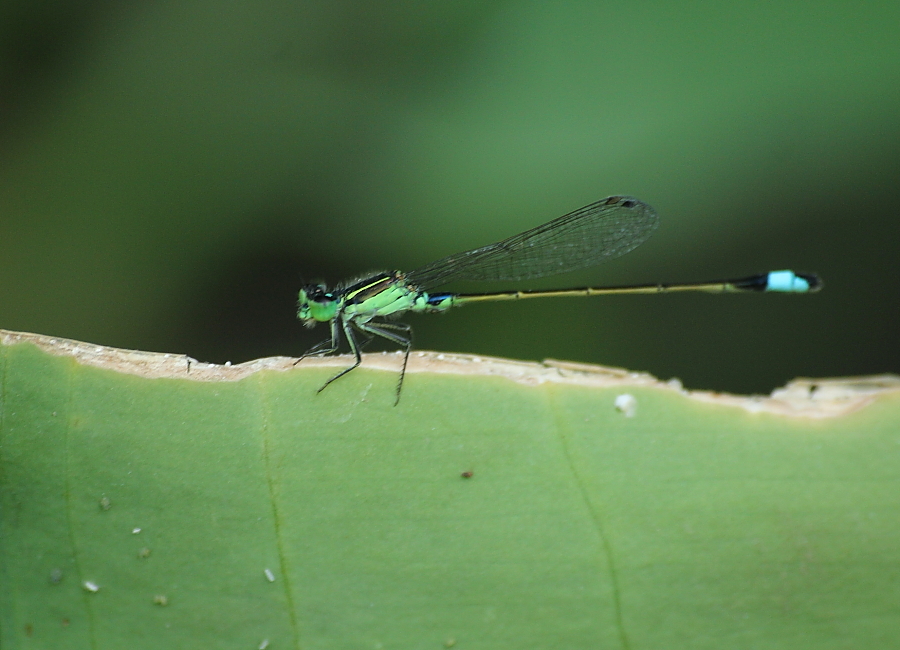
{"x":316,"y":293}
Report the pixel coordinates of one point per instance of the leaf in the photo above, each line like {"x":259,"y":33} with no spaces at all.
{"x":499,"y":505}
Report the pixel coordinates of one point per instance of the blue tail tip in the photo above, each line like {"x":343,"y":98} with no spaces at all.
{"x":790,"y":282}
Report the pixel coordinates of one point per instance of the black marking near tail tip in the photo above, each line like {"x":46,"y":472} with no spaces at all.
{"x":814,"y":281}
{"x":754,"y":282}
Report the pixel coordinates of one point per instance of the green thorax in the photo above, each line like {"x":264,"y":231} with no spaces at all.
{"x":380,"y":295}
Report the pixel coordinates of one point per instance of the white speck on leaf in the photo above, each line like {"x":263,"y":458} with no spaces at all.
{"x":627,"y":404}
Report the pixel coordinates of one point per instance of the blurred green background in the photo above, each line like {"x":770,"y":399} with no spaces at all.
{"x":171,"y":172}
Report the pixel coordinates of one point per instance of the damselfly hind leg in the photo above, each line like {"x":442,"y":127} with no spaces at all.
{"x":382,"y":329}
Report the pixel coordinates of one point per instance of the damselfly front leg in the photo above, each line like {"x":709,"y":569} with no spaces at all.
{"x":354,"y":347}
{"x":319,"y":348}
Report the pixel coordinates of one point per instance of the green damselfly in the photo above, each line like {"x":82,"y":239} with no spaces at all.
{"x":597,"y":232}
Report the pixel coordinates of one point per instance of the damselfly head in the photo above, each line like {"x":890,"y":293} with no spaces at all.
{"x":316,"y":305}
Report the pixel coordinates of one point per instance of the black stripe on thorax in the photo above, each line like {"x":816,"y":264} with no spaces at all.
{"x":371,"y":286}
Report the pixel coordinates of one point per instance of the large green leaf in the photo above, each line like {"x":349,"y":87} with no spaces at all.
{"x":695,"y":521}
